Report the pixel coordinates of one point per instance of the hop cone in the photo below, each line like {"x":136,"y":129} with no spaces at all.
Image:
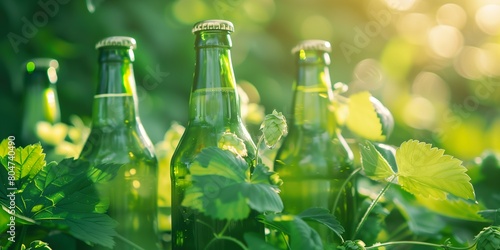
{"x":352,"y":245}
{"x":488,"y":238}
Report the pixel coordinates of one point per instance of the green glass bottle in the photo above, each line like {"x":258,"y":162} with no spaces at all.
{"x":40,"y":102}
{"x":117,"y":136}
{"x":213,"y":109}
{"x":314,"y":160}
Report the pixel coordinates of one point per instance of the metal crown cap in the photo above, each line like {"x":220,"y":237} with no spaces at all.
{"x":213,"y":24}
{"x":320,"y":45}
{"x":117,"y":41}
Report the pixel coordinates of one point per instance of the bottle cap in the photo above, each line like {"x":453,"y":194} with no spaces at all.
{"x":117,"y":41}
{"x":213,"y":25}
{"x":320,"y":45}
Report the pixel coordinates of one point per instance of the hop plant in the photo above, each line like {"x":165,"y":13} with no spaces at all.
{"x":37,"y":245}
{"x":352,"y":245}
{"x":488,"y":238}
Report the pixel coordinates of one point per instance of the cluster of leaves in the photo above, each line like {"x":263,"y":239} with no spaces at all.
{"x":53,"y":196}
{"x":425,"y":178}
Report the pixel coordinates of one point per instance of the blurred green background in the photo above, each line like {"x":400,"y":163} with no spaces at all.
{"x":434,"y":64}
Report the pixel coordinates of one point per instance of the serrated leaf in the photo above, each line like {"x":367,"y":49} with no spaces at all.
{"x":363,"y":119}
{"x":302,"y":236}
{"x":222,"y":189}
{"x":28,"y":162}
{"x":58,"y":196}
{"x":428,"y":172}
{"x":374,"y":164}
{"x":230,"y":141}
{"x":491,"y":214}
{"x":273,"y":128}
{"x":323,"y":216}
{"x":459,"y":209}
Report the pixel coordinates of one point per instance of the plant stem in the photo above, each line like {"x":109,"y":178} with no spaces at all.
{"x":20,"y":239}
{"x":372,"y":205}
{"x":130,"y":243}
{"x":337,"y":198}
{"x":226,"y":238}
{"x":376,"y":246}
{"x":261,"y":138}
{"x":221,"y":233}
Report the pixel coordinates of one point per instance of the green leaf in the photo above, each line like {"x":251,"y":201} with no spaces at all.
{"x":421,"y":221}
{"x":222,"y":188}
{"x":459,"y":209}
{"x":230,"y":141}
{"x":428,"y":172}
{"x":363,"y":119}
{"x":28,"y":162}
{"x":488,"y":238}
{"x":323,"y":216}
{"x":302,"y":236}
{"x":374,"y":164}
{"x":273,"y":128}
{"x":39,"y":245}
{"x":58,"y":196}
{"x":255,"y":242}
{"x":491,"y":214}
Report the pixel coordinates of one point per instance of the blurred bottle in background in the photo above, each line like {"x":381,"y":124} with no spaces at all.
{"x":314,"y":160}
{"x":40,"y":101}
{"x":117,"y":136}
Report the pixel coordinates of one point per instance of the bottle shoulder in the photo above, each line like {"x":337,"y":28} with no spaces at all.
{"x":119,"y":143}
{"x":196,"y":137}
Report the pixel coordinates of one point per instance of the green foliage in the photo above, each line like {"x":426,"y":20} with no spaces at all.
{"x":488,"y":239}
{"x":224,"y":188}
{"x":55,"y":196}
{"x":301,"y":235}
{"x":273,"y":128}
{"x":368,"y":118}
{"x":422,"y":170}
{"x":37,"y":245}
{"x":491,"y":214}
{"x":230,"y":141}
{"x":353,"y":245}
{"x":324,"y":217}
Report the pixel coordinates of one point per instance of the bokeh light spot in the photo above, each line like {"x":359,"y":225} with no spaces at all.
{"x":190,"y":11}
{"x":369,"y":74}
{"x":419,"y":113}
{"x":317,"y":27}
{"x":445,"y":41}
{"x":451,"y":14}
{"x":488,"y":19}
{"x":400,"y":5}
{"x":260,"y":10}
{"x":414,"y":27}
{"x":432,"y":87}
{"x":469,"y":62}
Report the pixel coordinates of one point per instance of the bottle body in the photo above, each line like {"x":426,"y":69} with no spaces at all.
{"x":40,"y":101}
{"x":118,"y":136}
{"x":314,"y":160}
{"x":213,"y":110}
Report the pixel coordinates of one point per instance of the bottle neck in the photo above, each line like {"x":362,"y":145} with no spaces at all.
{"x":213,"y":96}
{"x":40,"y":97}
{"x":313,"y":93}
{"x":115,"y":102}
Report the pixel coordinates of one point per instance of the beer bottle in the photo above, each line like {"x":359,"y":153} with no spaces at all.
{"x":314,"y":160}
{"x":40,"y":102}
{"x":117,"y":136}
{"x":213,"y":109}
